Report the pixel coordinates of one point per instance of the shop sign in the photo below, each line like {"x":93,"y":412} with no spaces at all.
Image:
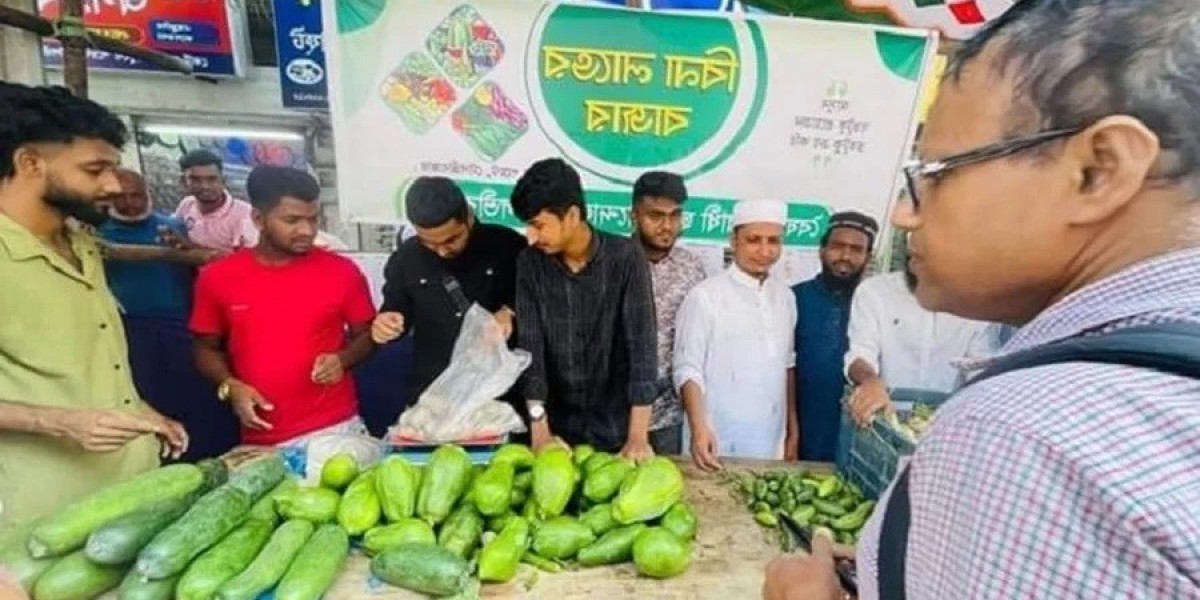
{"x":301,"y":54}
{"x":207,"y":33}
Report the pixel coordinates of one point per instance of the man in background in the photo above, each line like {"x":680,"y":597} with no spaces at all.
{"x":823,"y":305}
{"x":214,"y":218}
{"x":733,"y":348}
{"x":153,"y":285}
{"x":585,"y":307}
{"x":71,"y":420}
{"x":431,"y":280}
{"x":896,"y":344}
{"x":279,"y":325}
{"x":658,"y":199}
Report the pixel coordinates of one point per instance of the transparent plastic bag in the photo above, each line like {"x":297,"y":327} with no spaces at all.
{"x":461,"y":403}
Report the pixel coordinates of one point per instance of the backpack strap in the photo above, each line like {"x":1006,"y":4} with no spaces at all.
{"x":1172,"y":348}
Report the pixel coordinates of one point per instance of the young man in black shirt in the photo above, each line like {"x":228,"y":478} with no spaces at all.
{"x":586,"y":313}
{"x":433,"y":277}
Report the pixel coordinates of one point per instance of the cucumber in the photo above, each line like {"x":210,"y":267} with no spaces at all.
{"x":135,"y":587}
{"x":425,"y":568}
{"x":224,"y":561}
{"x":316,"y":566}
{"x":211,"y":518}
{"x":74,"y":577}
{"x":264,"y":509}
{"x":215,"y":473}
{"x":259,"y":477}
{"x":15,"y":558}
{"x":119,"y":541}
{"x":69,"y":529}
{"x":270,"y":564}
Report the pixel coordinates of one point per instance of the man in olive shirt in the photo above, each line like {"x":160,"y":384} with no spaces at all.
{"x":71,"y":420}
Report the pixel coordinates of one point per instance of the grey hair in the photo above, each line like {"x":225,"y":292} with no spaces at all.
{"x":1077,"y":61}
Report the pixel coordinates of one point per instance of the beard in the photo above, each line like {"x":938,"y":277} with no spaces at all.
{"x":840,"y":284}
{"x":74,"y":205}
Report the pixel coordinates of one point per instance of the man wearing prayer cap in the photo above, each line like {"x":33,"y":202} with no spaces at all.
{"x":733,"y":348}
{"x":823,"y":306}
{"x":433,"y":277}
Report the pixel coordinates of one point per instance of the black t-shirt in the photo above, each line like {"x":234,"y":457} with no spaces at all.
{"x":414,"y":286}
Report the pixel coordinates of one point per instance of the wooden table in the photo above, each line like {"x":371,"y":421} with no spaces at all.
{"x":728,"y":558}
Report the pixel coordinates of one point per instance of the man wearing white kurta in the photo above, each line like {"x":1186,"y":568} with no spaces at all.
{"x":733,"y":348}
{"x":894,"y":343}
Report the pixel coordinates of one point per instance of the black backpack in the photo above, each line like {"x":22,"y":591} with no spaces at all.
{"x":1171,"y":348}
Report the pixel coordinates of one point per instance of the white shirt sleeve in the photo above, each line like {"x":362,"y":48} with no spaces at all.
{"x":865,"y":331}
{"x":693,"y":334}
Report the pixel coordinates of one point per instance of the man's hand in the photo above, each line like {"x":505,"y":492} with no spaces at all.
{"x":637,"y":450}
{"x":705,"y":448}
{"x":173,"y":239}
{"x":171,"y":433}
{"x":387,"y":327}
{"x":540,"y":437}
{"x":803,"y":577}
{"x":100,"y":430}
{"x":504,"y":318}
{"x":791,"y":448}
{"x":328,"y":369}
{"x":868,"y":399}
{"x":246,"y":402}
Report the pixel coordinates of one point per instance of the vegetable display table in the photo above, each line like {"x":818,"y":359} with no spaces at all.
{"x":728,"y":557}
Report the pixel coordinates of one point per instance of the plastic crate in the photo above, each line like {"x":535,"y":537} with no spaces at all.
{"x":870,"y":457}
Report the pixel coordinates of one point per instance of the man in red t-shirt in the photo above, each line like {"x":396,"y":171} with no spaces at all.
{"x":277,"y":326}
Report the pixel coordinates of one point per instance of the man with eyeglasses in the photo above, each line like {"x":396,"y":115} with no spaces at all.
{"x":1057,"y":189}
{"x":433,"y":277}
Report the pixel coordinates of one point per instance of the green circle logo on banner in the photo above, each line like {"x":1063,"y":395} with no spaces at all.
{"x":618,"y":94}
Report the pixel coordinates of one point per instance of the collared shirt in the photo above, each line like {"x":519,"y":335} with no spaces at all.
{"x":148,"y":288}
{"x":673,"y":277}
{"x":1076,"y":480}
{"x":61,"y":345}
{"x":228,"y":228}
{"x":591,"y":336}
{"x":820,"y":341}
{"x":414,"y":287}
{"x":734,"y":340}
{"x":908,"y":346}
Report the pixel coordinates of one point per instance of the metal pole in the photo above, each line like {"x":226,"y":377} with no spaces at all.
{"x":74,"y":38}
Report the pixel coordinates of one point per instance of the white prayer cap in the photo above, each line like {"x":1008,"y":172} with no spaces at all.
{"x":760,"y":211}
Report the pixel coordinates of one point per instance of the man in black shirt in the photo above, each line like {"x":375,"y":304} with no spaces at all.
{"x":585,"y":310}
{"x":434,"y":276}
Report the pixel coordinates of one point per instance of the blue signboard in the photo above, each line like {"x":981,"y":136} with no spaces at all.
{"x":302,"y":74}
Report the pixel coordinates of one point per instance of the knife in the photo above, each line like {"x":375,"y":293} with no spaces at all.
{"x":801,"y":537}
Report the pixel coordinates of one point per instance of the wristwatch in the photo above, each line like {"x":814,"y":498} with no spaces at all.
{"x":224,"y":390}
{"x":537,"y":412}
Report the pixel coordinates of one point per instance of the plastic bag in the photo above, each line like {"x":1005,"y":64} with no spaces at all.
{"x":461,"y":403}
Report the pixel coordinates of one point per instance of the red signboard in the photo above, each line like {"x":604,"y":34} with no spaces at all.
{"x":201,"y":31}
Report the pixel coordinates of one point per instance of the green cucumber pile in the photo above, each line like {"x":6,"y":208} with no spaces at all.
{"x":449,"y":526}
{"x":812,"y":499}
{"x":199,"y":532}
{"x":186,"y":532}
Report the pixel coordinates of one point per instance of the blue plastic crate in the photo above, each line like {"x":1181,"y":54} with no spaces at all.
{"x":870,"y":457}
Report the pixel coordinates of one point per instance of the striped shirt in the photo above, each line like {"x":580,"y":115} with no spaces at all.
{"x":1065,"y":481}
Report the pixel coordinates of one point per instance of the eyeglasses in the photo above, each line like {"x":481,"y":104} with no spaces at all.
{"x":917,"y":171}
